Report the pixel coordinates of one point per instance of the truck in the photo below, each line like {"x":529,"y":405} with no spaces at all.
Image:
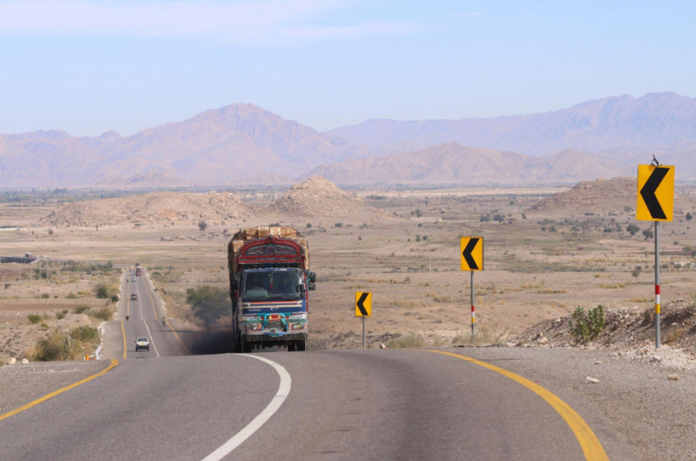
{"x":270,"y":283}
{"x":138,"y":270}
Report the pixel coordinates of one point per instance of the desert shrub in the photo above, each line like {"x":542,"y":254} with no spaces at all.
{"x":408,"y":341}
{"x":34,"y":318}
{"x":587,"y":326}
{"x":81,"y":309}
{"x":482,"y":336}
{"x":103,"y":314}
{"x":45,"y":296}
{"x":54,"y":347}
{"x":60,"y":315}
{"x":208,"y":303}
{"x":675,"y":335}
{"x":104,"y":290}
{"x":317,"y":344}
{"x":84,"y":333}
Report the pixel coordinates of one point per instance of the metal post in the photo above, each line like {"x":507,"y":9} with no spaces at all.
{"x":473,"y":314}
{"x":657,"y":285}
{"x":363,"y":332}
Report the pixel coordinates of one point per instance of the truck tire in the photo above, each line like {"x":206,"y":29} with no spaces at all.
{"x":292,"y":346}
{"x":300,"y":345}
{"x":246,"y":347}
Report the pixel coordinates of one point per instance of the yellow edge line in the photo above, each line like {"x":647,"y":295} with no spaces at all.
{"x":147,"y":288}
{"x":124,"y":340}
{"x":114,"y":362}
{"x":177,"y":337}
{"x":589,"y":443}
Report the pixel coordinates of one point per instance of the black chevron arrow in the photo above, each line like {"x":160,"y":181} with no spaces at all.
{"x":361,"y":300}
{"x":648,"y":193}
{"x":467,"y":253}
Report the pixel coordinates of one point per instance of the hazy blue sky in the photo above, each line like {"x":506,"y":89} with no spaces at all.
{"x":87,"y":66}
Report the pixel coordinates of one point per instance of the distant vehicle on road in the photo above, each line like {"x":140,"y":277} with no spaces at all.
{"x":134,"y":297}
{"x":138,"y":270}
{"x":142,"y":343}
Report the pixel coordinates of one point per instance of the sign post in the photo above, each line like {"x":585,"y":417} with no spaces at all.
{"x":655,"y":199}
{"x":363,"y":308}
{"x":472,"y":260}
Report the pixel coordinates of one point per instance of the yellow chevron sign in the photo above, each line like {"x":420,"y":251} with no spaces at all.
{"x":472,"y":253}
{"x":655,"y":193}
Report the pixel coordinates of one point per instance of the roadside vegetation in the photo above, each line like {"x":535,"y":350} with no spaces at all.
{"x":60,"y":345}
{"x":585,"y":327}
{"x":209,"y":304}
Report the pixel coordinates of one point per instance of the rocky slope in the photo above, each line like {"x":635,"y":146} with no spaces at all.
{"x":602,"y":195}
{"x":597,"y":125}
{"x":455,"y":164}
{"x":317,"y":197}
{"x":229,"y":144}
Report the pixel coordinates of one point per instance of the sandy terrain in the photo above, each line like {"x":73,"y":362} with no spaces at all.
{"x":537,"y":267}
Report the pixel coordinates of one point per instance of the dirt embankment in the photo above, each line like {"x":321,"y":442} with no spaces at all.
{"x":631,"y":332}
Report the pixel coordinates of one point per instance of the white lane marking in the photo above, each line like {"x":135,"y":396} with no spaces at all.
{"x":265,"y":415}
{"x":140,"y":302}
{"x":152,"y":341}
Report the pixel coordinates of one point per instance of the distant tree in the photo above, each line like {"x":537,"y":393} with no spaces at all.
{"x":202,"y":225}
{"x":50,"y":232}
{"x":635,"y":273}
{"x":417,"y":212}
{"x":208,"y":303}
{"x":689,"y":216}
{"x":648,"y":233}
{"x":632,"y":229}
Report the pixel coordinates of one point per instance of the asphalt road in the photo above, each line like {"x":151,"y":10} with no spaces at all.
{"x":335,"y":405}
{"x":145,"y":320}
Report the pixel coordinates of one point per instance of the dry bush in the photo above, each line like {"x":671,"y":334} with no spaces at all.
{"x":675,"y":335}
{"x":482,"y":336}
{"x":408,"y":341}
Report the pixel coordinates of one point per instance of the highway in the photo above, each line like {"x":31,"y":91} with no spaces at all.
{"x":144,"y":320}
{"x":315,"y":405}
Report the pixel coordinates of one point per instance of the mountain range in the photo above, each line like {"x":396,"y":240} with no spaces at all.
{"x":242,"y":143}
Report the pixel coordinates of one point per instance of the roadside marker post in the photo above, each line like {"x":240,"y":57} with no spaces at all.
{"x":655,"y":202}
{"x":363,"y":308}
{"x":472,"y":260}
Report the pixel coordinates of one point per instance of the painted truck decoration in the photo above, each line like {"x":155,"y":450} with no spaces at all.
{"x":270,"y":282}
{"x":138,"y":270}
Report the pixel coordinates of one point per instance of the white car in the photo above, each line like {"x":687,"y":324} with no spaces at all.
{"x":142,"y":343}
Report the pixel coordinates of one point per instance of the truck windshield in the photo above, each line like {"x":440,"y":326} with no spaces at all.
{"x":271,"y":286}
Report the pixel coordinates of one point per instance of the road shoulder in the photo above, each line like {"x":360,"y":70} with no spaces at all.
{"x":22,"y":384}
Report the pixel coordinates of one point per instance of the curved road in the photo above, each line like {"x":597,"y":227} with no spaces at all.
{"x":341,"y":405}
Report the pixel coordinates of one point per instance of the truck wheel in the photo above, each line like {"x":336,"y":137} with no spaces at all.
{"x":292,"y":346}
{"x":246,"y":347}
{"x":300,"y":345}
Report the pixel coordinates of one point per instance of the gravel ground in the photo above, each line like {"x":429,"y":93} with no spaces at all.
{"x":20,"y":384}
{"x":635,"y":400}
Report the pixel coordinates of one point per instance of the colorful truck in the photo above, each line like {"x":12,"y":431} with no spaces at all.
{"x":270,"y":283}
{"x":138,"y":270}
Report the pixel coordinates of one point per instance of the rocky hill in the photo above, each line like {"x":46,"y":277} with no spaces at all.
{"x":598,"y":125}
{"x":455,"y":164}
{"x":602,"y":195}
{"x":220,"y":146}
{"x":317,"y":197}
{"x":157,"y":208}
